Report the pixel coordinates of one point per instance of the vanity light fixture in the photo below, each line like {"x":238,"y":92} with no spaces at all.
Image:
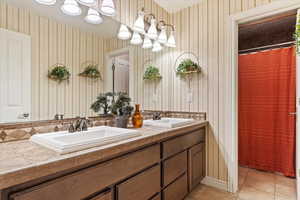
{"x":156,"y":47}
{"x":171,"y":41}
{"x":147,"y":43}
{"x":87,"y":2}
{"x":152,"y":32}
{"x":136,"y":39}
{"x":71,"y":7}
{"x":139,"y":24}
{"x":46,"y":2}
{"x":124,"y":33}
{"x":108,"y":8}
{"x":93,"y":17}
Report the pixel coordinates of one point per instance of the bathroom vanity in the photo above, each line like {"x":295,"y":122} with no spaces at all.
{"x":163,"y":163}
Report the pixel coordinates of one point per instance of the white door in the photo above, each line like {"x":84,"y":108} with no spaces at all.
{"x":15,"y":76}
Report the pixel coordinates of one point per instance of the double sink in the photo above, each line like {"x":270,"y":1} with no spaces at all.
{"x":64,"y":142}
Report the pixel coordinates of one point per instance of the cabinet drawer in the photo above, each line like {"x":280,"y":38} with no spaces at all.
{"x":196,"y":165}
{"x":157,"y":197}
{"x":103,"y":196}
{"x":82,"y":184}
{"x":177,"y":190}
{"x":181,"y":143}
{"x":174,"y":167}
{"x":142,"y":187}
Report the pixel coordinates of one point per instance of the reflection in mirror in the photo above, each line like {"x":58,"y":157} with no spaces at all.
{"x":118,"y":71}
{"x":40,"y":38}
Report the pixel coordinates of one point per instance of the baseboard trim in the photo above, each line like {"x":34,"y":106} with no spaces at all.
{"x":216,"y":183}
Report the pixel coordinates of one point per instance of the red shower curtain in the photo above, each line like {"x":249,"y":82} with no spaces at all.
{"x":267,"y":93}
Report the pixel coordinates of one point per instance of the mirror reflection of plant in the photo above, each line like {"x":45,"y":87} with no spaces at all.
{"x":59,"y":73}
{"x":91,"y":71}
{"x":187,"y":66}
{"x":121,"y":106}
{"x":102,"y":102}
{"x":152,"y":73}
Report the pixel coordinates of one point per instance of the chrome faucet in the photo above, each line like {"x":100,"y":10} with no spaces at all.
{"x":81,"y":124}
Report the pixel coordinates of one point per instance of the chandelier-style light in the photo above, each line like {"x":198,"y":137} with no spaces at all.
{"x":156,"y":47}
{"x":124,"y":33}
{"x":108,"y":8}
{"x":163,"y":38}
{"x":71,"y":7}
{"x":139,"y":25}
{"x":136,"y":39}
{"x":153,"y":37}
{"x":147,"y":43}
{"x":93,"y":17}
{"x":171,"y":41}
{"x":152,"y":32}
{"x":46,"y":2}
{"x":87,"y":2}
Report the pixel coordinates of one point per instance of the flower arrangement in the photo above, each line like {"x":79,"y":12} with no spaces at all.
{"x":297,"y":33}
{"x":59,"y":73}
{"x":187,"y":66}
{"x":152,"y":73}
{"x":91,"y":71}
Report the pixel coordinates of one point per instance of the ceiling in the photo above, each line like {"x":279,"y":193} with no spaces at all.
{"x":108,"y":28}
{"x":173,"y":6}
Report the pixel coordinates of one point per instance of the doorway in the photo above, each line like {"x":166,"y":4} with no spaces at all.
{"x":231,"y":143}
{"x":266,"y":107}
{"x":117,"y":78}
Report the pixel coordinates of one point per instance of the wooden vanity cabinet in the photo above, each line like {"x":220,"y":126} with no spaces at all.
{"x":167,"y":170}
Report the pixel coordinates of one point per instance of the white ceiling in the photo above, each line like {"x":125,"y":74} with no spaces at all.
{"x":108,"y":28}
{"x":173,"y":6}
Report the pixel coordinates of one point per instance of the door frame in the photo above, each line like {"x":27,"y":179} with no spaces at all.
{"x":118,"y":52}
{"x":231,"y":142}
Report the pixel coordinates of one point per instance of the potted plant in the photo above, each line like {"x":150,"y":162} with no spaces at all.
{"x":122,"y":109}
{"x":59,"y":73}
{"x":102,"y":102}
{"x":91,"y":71}
{"x":152,"y":73}
{"x":187,"y":66}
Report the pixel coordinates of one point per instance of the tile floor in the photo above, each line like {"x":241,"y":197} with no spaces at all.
{"x":253,"y":185}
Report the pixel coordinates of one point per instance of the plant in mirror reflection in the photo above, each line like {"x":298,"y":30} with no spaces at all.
{"x":152,"y":73}
{"x":102,"y":102}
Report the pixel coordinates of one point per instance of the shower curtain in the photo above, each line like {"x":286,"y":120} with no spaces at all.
{"x":267,"y":93}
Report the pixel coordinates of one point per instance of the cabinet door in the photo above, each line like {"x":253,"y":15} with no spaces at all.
{"x":103,"y":196}
{"x":177,"y":190}
{"x":196,"y":165}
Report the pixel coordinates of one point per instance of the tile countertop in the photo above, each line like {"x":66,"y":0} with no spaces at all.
{"x":24,"y":161}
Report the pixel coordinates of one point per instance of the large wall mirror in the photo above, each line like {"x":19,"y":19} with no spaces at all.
{"x":35,"y":40}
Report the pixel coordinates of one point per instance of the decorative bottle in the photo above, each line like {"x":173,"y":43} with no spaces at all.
{"x":137,"y":118}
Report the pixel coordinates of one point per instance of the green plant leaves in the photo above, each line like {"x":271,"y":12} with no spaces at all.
{"x":152,"y":73}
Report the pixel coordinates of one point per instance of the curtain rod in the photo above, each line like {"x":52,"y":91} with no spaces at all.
{"x":267,"y":47}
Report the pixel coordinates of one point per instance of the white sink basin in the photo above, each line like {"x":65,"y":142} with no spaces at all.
{"x":168,"y":122}
{"x":64,"y":142}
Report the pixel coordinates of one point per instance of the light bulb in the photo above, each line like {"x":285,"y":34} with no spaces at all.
{"x":87,"y":2}
{"x":46,"y":2}
{"x":136,"y":39}
{"x":171,"y":41}
{"x":108,"y":8}
{"x":93,"y":17}
{"x":71,"y":7}
{"x":152,"y":32}
{"x":124,"y":33}
{"x":163,"y":38}
{"x":156,"y":47}
{"x":147,"y":43}
{"x":139,"y":25}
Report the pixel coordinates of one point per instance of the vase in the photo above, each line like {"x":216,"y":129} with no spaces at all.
{"x":122,"y":121}
{"x":137,"y":118}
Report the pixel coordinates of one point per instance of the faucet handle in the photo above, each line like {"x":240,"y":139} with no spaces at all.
{"x":71,"y":128}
